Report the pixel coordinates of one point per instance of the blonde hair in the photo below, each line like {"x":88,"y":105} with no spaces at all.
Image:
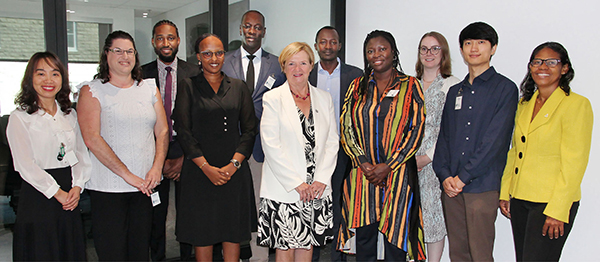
{"x":293,"y":49}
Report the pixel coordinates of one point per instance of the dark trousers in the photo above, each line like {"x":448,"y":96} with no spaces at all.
{"x":337,"y":181}
{"x":528,"y":219}
{"x":121,"y":225}
{"x":470,"y":221}
{"x":366,"y":245}
{"x":159,"y":220}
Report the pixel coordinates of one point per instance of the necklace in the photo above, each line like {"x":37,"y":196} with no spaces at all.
{"x":297,"y":96}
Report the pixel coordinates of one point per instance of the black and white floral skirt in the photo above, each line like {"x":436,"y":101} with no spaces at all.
{"x":295,"y":225}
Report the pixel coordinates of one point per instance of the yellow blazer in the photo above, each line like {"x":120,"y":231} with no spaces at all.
{"x":549,"y":154}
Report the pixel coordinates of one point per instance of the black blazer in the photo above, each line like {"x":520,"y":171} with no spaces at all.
{"x":184,"y":70}
{"x":347,"y":74}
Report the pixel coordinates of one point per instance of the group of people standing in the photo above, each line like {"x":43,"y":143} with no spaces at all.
{"x":287,"y":152}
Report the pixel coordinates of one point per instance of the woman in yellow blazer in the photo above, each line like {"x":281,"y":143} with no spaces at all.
{"x":541,"y":185}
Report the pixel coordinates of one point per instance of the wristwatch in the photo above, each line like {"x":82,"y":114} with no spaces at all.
{"x":236,"y":163}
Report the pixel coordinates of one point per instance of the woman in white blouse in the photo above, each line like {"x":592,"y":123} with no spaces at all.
{"x":50,"y":155}
{"x":123,"y":123}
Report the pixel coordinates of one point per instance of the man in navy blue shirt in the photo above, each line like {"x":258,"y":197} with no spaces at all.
{"x":474,"y":138}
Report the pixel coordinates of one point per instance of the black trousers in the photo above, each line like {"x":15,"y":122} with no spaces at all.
{"x":527,"y":219}
{"x":121,"y":225}
{"x":366,"y":245}
{"x":158,"y":237}
{"x":337,"y":180}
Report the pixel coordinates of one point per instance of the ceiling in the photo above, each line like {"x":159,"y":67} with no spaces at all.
{"x":32,"y":8}
{"x":153,"y":7}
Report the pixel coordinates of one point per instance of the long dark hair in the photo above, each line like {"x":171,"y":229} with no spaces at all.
{"x":368,"y":69}
{"x":27,"y":98}
{"x":528,"y":86}
{"x":103,"y":69}
{"x":445,"y":62}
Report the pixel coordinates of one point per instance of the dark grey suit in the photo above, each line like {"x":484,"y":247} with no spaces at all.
{"x":269,"y":66}
{"x":347,"y":74}
{"x":158,"y":236}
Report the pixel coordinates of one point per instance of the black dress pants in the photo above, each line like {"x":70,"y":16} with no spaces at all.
{"x":121,"y":225}
{"x":366,"y":245}
{"x":527,"y":219}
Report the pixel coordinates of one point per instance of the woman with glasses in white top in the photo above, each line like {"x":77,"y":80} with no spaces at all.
{"x":216,"y":126}
{"x":123,"y":123}
{"x":434,"y":69}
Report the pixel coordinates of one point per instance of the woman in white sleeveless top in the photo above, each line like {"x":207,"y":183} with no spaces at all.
{"x":123,"y":123}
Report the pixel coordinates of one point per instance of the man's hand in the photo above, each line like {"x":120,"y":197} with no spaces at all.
{"x":459,"y":183}
{"x":172,"y":168}
{"x":450,"y":187}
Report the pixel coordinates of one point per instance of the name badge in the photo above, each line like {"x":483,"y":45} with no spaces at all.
{"x":155,"y":199}
{"x":71,"y":158}
{"x":458,"y":101}
{"x":392,"y":93}
{"x":270,"y":81}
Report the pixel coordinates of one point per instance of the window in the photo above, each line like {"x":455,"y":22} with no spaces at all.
{"x":72,"y":36}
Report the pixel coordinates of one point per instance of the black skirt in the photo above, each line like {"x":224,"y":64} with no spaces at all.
{"x":43,"y":230}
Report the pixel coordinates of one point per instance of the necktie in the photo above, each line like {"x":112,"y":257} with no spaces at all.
{"x":250,"y":73}
{"x":168,"y":100}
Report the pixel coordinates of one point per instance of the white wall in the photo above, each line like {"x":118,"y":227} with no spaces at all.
{"x":178,"y":17}
{"x":291,"y":21}
{"x":521,"y":26}
{"x":143,"y":39}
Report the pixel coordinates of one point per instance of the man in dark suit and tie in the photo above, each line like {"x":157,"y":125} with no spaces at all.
{"x":333,"y":76}
{"x":262,"y":72}
{"x":167,"y":70}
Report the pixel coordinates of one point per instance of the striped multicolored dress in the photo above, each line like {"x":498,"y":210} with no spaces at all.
{"x":386,"y":129}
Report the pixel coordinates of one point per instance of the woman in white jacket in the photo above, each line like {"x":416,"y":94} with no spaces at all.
{"x":300,"y":140}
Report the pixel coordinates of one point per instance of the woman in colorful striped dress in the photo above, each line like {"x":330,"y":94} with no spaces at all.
{"x":383,"y":121}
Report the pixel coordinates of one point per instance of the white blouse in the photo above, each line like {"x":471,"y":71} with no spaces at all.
{"x":127,"y":124}
{"x":35,"y":141}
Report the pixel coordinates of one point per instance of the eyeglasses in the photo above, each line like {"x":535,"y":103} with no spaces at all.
{"x":119,"y":51}
{"x":256,"y":27}
{"x":209,"y":54}
{"x":550,"y":62}
{"x":434,"y":50}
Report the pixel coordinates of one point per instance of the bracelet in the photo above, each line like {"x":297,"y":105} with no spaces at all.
{"x":201,"y":166}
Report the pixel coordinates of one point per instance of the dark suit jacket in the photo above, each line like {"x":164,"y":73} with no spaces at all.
{"x":347,"y":74}
{"x":269,"y":66}
{"x":184,"y":70}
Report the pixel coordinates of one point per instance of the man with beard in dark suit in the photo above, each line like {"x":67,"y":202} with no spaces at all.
{"x":167,"y":70}
{"x":333,"y":76}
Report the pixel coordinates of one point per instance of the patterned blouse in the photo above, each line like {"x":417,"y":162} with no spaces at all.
{"x":387,"y":130}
